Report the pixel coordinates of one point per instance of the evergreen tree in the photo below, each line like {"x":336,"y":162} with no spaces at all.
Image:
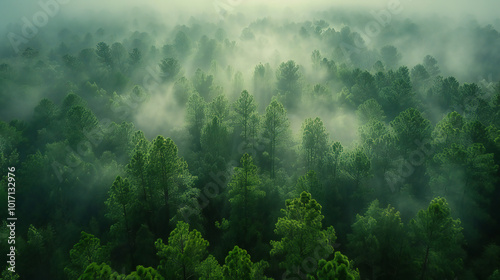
{"x":183,"y":253}
{"x":302,"y":233}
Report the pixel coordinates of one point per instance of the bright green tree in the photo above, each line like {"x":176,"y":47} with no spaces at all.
{"x":99,"y":271}
{"x":209,"y":269}
{"x":302,"y":233}
{"x":338,"y":268}
{"x":183,"y":253}
{"x":144,"y":273}
{"x":239,"y":266}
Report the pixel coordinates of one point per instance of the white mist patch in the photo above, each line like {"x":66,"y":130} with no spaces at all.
{"x":341,"y":125}
{"x":161,"y":114}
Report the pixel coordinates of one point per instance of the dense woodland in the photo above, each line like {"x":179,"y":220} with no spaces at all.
{"x":179,"y":152}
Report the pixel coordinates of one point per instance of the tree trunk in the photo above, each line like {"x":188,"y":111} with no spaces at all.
{"x":424,"y":268}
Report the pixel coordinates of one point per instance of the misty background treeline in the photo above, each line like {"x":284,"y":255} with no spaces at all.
{"x":291,"y":148}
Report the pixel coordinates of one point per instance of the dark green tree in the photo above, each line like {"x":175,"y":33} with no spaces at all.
{"x":369,"y":111}
{"x":314,"y":142}
{"x":119,"y":204}
{"x":412,"y":132}
{"x":245,"y":109}
{"x":87,"y":251}
{"x":288,"y":85}
{"x":195,"y":118}
{"x":437,"y":241}
{"x":390,"y":56}
{"x":80,"y":123}
{"x":170,"y":67}
{"x":103,"y":51}
{"x":244,"y":196}
{"x":168,"y":174}
{"x":310,"y":183}
{"x":380,"y":243}
{"x":430,"y":64}
{"x":275,"y":130}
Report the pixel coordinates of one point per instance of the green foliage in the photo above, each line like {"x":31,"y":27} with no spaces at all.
{"x":495,"y":275}
{"x":245,"y":109}
{"x":183,"y":253}
{"x":370,"y":111}
{"x":380,"y":243}
{"x":215,"y":139}
{"x":209,"y":269}
{"x":338,"y":268}
{"x":275,"y":130}
{"x":430,"y":64}
{"x":87,"y":251}
{"x":301,"y":232}
{"x":239,"y":266}
{"x":419,"y":77}
{"x":203,"y":84}
{"x":80,"y":122}
{"x":314,"y":142}
{"x":288,"y":85}
{"x":390,"y":56}
{"x":104,"y":53}
{"x":195,"y":117}
{"x":485,"y":265}
{"x":437,"y":241}
{"x":99,"y":271}
{"x":244,"y":196}
{"x":169,"y":68}
{"x":219,"y":108}
{"x":466,"y":176}
{"x":144,"y":273}
{"x":410,"y":128}
{"x":166,"y":169}
{"x":9,"y":275}
{"x":448,"y":130}
{"x":309,"y":183}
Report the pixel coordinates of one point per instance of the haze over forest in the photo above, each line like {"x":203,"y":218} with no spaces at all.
{"x":235,"y":139}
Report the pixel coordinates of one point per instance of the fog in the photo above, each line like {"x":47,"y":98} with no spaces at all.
{"x":445,"y":30}
{"x":80,"y":80}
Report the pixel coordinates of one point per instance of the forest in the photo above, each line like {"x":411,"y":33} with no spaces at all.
{"x":241,"y":140}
